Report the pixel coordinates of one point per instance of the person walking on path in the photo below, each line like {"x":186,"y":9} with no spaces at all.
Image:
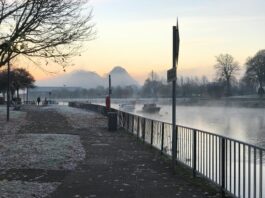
{"x":38,"y":101}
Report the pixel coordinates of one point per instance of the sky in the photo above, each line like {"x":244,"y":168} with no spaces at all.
{"x":137,"y":35}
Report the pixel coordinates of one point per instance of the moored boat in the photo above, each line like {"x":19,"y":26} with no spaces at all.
{"x":151,"y":108}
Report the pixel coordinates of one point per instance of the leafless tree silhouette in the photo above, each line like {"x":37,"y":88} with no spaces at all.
{"x":49,"y":29}
{"x":226,"y":69}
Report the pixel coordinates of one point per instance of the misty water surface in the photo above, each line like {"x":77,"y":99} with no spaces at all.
{"x":245,"y":124}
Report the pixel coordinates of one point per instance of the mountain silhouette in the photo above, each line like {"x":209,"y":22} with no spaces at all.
{"x":120,"y":77}
{"x":88,"y":79}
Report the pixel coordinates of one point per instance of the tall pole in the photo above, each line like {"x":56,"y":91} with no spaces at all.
{"x":110,"y":90}
{"x":27,"y":95}
{"x":175,"y":53}
{"x":8,"y":91}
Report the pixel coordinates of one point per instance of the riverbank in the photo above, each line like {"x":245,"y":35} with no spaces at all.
{"x":248,"y":102}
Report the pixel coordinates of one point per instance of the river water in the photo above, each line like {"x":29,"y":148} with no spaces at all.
{"x":245,"y":124}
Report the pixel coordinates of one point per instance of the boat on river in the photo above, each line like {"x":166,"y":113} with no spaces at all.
{"x":127,"y":106}
{"x":151,"y":108}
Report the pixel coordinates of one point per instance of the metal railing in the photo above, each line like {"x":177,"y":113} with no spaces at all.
{"x":235,"y":166}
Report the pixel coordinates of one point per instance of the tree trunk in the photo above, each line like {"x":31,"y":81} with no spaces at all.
{"x":228,"y":88}
{"x":17,"y":93}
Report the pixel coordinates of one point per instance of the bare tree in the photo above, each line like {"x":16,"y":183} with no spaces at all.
{"x":49,"y":29}
{"x":255,"y":71}
{"x":226,"y":70}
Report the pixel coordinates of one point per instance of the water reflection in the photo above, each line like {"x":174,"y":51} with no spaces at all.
{"x":245,"y":124}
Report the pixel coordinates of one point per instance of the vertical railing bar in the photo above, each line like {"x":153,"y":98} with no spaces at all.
{"x":180,"y":144}
{"x":162,"y":139}
{"x":201,"y":153}
{"x":128,"y":118}
{"x":222,"y":166}
{"x":226,"y":169}
{"x":152,"y":132}
{"x":239,"y":169}
{"x":144,"y":129}
{"x":216,"y":170}
{"x":249,"y":178}
{"x":184,"y":145}
{"x":203,"y":162}
{"x":230,"y":166}
{"x":255,"y":175}
{"x":133,"y":124}
{"x":138,"y":127}
{"x":201,"y":158}
{"x":206,"y":152}
{"x":191,"y":148}
{"x":212,"y":157}
{"x":244,"y":171}
{"x":189,"y":151}
{"x":220,"y":161}
{"x":188,"y":147}
{"x":260,"y":175}
{"x":177,"y":141}
{"x":194,"y":152}
{"x":123,"y":121}
{"x":235,"y":168}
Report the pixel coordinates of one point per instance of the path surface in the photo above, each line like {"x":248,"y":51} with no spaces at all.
{"x":116,"y":164}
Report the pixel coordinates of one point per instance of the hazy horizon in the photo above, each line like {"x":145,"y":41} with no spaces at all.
{"x":137,"y":35}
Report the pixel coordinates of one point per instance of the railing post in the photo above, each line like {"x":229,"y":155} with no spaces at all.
{"x":223,"y":150}
{"x":143,"y":130}
{"x":133,"y":116}
{"x":162,"y":139}
{"x":177,"y":142}
{"x":138,"y":127}
{"x":194,"y":152}
{"x":124,"y":120}
{"x":152,"y":131}
{"x":128,"y":121}
{"x":174,"y":148}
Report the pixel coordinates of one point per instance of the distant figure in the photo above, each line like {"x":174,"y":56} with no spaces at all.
{"x":38,"y":101}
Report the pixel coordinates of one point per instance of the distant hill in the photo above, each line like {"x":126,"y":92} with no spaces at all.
{"x":88,"y":79}
{"x":120,"y":77}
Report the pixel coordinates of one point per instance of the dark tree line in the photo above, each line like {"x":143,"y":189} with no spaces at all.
{"x":19,"y":79}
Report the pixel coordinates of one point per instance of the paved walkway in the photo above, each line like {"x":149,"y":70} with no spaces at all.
{"x":116,"y":165}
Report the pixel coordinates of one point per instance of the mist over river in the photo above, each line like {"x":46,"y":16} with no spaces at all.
{"x":245,"y":124}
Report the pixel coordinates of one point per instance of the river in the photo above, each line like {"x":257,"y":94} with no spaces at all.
{"x":245,"y":124}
